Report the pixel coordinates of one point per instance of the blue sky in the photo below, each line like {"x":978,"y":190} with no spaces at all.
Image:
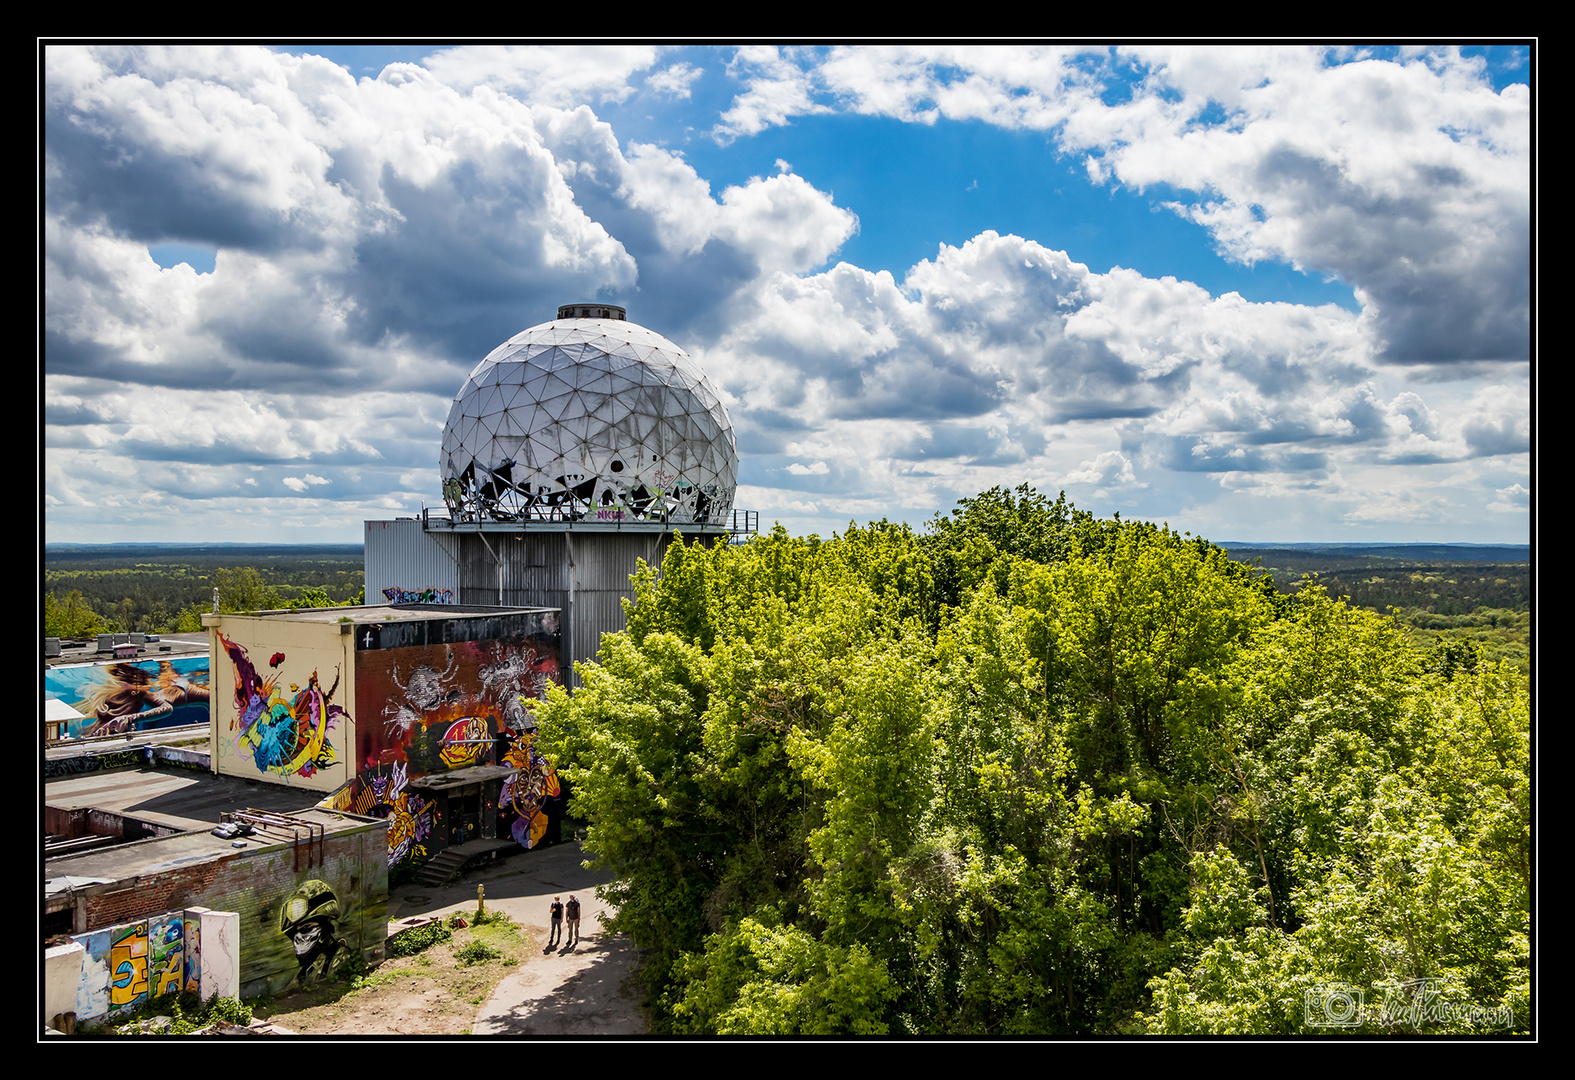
{"x":1259,"y":293}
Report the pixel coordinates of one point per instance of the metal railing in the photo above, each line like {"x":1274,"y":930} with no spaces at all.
{"x":740,"y":523}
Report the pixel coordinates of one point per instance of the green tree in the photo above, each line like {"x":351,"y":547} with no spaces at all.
{"x":71,"y":618}
{"x":243,"y":589}
{"x":1037,"y":773}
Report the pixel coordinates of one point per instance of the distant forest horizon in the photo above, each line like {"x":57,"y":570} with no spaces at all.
{"x":1467,"y":595}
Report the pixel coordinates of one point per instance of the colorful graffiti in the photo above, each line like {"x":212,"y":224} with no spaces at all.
{"x":410,"y":817}
{"x":166,"y":954}
{"x":444,"y":707}
{"x":527,"y":791}
{"x":466,"y":742}
{"x":192,"y":959}
{"x":282,"y":736}
{"x":430,"y":595}
{"x":128,"y":965}
{"x":132,"y":696}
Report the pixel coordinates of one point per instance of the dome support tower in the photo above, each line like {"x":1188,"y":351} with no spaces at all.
{"x":574,"y":449}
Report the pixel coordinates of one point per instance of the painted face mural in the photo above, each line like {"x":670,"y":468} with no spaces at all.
{"x":282,"y":736}
{"x":444,"y":707}
{"x":527,"y":791}
{"x":133,"y":696}
{"x":309,"y":919}
{"x":466,"y":742}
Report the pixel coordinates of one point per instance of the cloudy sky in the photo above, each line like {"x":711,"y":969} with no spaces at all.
{"x":1259,"y":293}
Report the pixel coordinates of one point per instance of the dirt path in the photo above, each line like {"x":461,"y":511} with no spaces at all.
{"x":576,"y":991}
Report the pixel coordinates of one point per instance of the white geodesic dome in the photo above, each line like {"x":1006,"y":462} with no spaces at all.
{"x":589,"y":419}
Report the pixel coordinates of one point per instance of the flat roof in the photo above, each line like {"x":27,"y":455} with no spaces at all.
{"x":191,"y":801}
{"x":371,"y":613}
{"x":166,"y":647}
{"x":180,"y":798}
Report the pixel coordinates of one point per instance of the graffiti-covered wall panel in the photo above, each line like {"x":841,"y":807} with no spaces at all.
{"x":451,"y":694}
{"x":106,"y":984}
{"x":132,"y":695}
{"x":278,"y":707}
{"x":301,"y":913}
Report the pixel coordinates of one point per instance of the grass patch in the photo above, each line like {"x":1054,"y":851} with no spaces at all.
{"x":422,"y":937}
{"x":433,"y":992}
{"x":477,"y":952}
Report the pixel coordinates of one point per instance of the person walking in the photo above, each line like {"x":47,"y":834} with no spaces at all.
{"x":574,"y":920}
{"x":557,"y":922}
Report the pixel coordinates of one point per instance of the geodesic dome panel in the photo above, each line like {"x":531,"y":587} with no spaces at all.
{"x":589,"y":419}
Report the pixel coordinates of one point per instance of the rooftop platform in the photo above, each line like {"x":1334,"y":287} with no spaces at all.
{"x":191,"y":801}
{"x":149,"y":647}
{"x":180,"y":798}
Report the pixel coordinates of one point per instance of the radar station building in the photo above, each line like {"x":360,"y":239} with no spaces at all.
{"x":574,"y":449}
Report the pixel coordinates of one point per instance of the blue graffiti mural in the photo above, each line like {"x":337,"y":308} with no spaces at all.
{"x":132,"y":695}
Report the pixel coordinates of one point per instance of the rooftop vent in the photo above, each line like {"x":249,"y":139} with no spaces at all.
{"x":591,"y":311}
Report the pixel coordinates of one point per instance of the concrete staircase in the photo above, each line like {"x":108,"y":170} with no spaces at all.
{"x":443,"y":867}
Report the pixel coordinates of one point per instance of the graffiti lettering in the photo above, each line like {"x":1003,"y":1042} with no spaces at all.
{"x":166,"y":955}
{"x":430,"y":595}
{"x":128,"y":962}
{"x":86,"y":763}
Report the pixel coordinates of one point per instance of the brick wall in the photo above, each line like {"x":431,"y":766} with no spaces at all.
{"x":256,"y":883}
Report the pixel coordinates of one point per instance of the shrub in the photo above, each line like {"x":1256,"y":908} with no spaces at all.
{"x":423,"y":937}
{"x":477,"y":952}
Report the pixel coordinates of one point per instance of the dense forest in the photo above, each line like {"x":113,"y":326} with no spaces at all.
{"x":1027,"y":771}
{"x":160,"y":588}
{"x":1445,"y":597}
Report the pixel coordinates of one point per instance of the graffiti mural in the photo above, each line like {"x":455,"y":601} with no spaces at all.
{"x":424,"y":690}
{"x":166,"y":954}
{"x":449,"y":706}
{"x":513,"y":675}
{"x":409,"y":816}
{"x":310,"y":919}
{"x":132,"y":695}
{"x":526,"y":792}
{"x":466,"y":742}
{"x":429,"y":595}
{"x":128,"y":965}
{"x":192,"y":958}
{"x":289,"y":737}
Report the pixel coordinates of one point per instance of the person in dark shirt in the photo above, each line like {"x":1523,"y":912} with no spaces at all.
{"x":557,"y":920}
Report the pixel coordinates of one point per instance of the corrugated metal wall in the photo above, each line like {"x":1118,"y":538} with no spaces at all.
{"x":584,"y":574}
{"x":401,"y":555}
